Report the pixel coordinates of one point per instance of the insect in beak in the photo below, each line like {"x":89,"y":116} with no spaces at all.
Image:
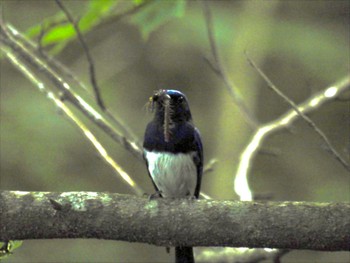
{"x":167,"y":117}
{"x":150,"y":104}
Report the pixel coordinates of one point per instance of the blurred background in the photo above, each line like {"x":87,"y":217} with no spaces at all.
{"x":303,"y":46}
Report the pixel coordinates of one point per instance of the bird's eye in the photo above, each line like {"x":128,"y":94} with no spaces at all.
{"x":180,"y":99}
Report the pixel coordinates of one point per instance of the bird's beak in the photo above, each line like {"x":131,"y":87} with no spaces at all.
{"x":160,"y":96}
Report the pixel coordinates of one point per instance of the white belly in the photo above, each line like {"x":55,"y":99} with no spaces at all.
{"x":175,"y":175}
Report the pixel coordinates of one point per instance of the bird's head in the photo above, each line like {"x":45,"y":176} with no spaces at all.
{"x":171,"y":109}
{"x":170,"y":104}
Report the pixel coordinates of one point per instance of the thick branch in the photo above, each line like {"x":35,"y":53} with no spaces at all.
{"x":164,"y":222}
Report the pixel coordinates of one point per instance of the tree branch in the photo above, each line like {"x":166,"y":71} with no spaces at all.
{"x":247,"y":156}
{"x":22,"y":55}
{"x":68,"y":76}
{"x":219,"y":69}
{"x":313,"y":125}
{"x":85,"y":131}
{"x":8,"y":40}
{"x":89,"y":58}
{"x":171,"y":222}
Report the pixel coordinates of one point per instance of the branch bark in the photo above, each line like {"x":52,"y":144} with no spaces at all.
{"x":168,"y":222}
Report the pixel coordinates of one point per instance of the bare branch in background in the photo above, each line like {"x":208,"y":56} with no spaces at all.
{"x":19,"y":55}
{"x":246,"y":158}
{"x":89,"y":58}
{"x":209,"y":167}
{"x":66,"y":74}
{"x":117,"y":17}
{"x":219,"y":69}
{"x":333,"y":92}
{"x":38,"y":51}
{"x":21,"y":51}
{"x":92,"y":72}
{"x":86,"y":132}
{"x":316,"y":226}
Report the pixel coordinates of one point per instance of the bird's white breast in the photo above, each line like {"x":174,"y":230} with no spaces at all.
{"x":175,"y":175}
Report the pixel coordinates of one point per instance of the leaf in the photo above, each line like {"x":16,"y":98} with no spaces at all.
{"x":53,"y":21}
{"x":138,"y":2}
{"x":6,"y":248}
{"x":154,"y":15}
{"x":59,"y":30}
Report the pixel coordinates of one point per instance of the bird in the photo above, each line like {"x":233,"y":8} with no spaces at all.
{"x":173,"y":152}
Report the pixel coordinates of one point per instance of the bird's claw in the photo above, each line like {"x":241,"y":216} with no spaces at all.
{"x":157,"y":194}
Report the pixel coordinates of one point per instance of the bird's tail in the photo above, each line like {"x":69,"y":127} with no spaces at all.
{"x":184,"y":255}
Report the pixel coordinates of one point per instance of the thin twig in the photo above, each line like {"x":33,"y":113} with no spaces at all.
{"x":83,"y":128}
{"x":53,"y":63}
{"x":87,"y":53}
{"x":70,"y":95}
{"x":41,"y":65}
{"x":209,"y":167}
{"x":246,"y":158}
{"x":66,"y":73}
{"x":119,"y":16}
{"x":272,"y":86}
{"x":92,"y":73}
{"x":219,"y":69}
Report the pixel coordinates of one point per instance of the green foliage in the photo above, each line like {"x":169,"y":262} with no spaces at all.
{"x":154,"y":15}
{"x":139,"y":2}
{"x":58,"y":31}
{"x":6,"y":248}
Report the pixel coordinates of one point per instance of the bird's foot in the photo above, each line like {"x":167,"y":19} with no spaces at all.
{"x":191,"y":197}
{"x":157,"y":194}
